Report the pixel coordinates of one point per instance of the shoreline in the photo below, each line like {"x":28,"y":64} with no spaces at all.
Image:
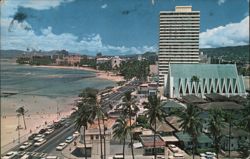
{"x":99,"y":74}
{"x":39,"y":111}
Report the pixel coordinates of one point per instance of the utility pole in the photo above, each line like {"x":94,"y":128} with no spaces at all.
{"x":57,"y":111}
{"x":18,"y":128}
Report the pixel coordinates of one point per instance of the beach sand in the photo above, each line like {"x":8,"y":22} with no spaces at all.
{"x":45,"y":110}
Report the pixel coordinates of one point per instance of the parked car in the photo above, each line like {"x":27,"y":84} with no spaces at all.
{"x":10,"y":155}
{"x":40,"y":142}
{"x":67,"y":124}
{"x":173,"y":148}
{"x":42,"y":131}
{"x":31,"y":137}
{"x":118,"y":156}
{"x":50,"y":126}
{"x":178,"y":156}
{"x":49,"y":131}
{"x":51,"y":157}
{"x":25,"y":145}
{"x":210,"y":155}
{"x":61,"y":146}
{"x":76,"y":134}
{"x":39,"y":136}
{"x":58,"y":125}
{"x":26,"y":157}
{"x":69,"y":139}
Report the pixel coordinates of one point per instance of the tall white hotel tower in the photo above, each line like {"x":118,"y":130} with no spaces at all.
{"x":179,"y":39}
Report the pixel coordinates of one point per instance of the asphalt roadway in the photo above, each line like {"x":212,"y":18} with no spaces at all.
{"x":49,"y":147}
{"x":59,"y":135}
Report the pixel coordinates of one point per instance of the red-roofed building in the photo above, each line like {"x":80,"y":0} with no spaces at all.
{"x":148,"y":144}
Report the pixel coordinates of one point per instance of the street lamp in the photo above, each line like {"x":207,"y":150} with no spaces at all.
{"x":18,"y":127}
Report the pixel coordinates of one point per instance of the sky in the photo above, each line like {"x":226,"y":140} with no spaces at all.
{"x":114,"y":27}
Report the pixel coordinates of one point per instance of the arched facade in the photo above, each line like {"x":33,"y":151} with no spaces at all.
{"x":212,"y":78}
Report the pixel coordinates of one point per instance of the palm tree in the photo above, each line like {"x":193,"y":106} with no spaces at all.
{"x":216,"y":123}
{"x":90,"y":96}
{"x":129,"y":109}
{"x":196,"y":80}
{"x":22,"y":112}
{"x":191,"y":123}
{"x":154,"y":112}
{"x":104,"y":134}
{"x":121,"y":131}
{"x":82,"y":119}
{"x":97,"y":112}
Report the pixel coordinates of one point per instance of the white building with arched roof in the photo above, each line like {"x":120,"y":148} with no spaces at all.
{"x":212,"y":78}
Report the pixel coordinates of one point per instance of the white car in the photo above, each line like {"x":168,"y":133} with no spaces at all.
{"x":173,"y":148}
{"x":49,"y":131}
{"x":61,"y":146}
{"x":10,"y":155}
{"x":40,"y":142}
{"x":25,"y":145}
{"x":210,"y":155}
{"x":69,"y":139}
{"x":76,"y":134}
{"x":39,"y":136}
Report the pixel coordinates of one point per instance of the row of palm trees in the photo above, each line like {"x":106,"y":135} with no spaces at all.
{"x":190,"y":120}
{"x":123,"y":127}
{"x":89,"y":110}
{"x":192,"y":123}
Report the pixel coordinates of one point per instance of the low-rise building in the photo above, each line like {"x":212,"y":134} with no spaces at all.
{"x":101,"y":60}
{"x":204,"y":142}
{"x":238,"y":136}
{"x":148,"y":89}
{"x":92,"y":138}
{"x":153,"y":69}
{"x":148,"y":144}
{"x":73,"y":60}
{"x":115,"y":62}
{"x":170,"y":105}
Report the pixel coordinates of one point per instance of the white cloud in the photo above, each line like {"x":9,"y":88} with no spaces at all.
{"x":104,"y":6}
{"x":9,"y":8}
{"x":19,"y":38}
{"x":232,"y":34}
{"x":221,"y":2}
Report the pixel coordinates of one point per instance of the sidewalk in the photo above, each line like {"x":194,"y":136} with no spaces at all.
{"x":24,"y":134}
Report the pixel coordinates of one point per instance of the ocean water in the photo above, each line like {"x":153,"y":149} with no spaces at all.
{"x":42,"y":88}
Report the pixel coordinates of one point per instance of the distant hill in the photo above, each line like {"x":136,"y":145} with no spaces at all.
{"x":238,"y":54}
{"x":9,"y":54}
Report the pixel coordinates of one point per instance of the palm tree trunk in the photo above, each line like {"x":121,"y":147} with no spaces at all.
{"x":193,"y":148}
{"x":100,"y":133}
{"x":84,"y":141}
{"x":104,"y":137}
{"x":123,"y":149}
{"x":24,"y":122}
{"x":217,"y":147}
{"x":154,"y":150}
{"x":131,"y":136}
{"x":230,"y":127}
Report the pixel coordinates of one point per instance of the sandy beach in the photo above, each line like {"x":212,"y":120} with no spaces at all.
{"x":40,"y":108}
{"x":44,"y":111}
{"x":99,"y":74}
